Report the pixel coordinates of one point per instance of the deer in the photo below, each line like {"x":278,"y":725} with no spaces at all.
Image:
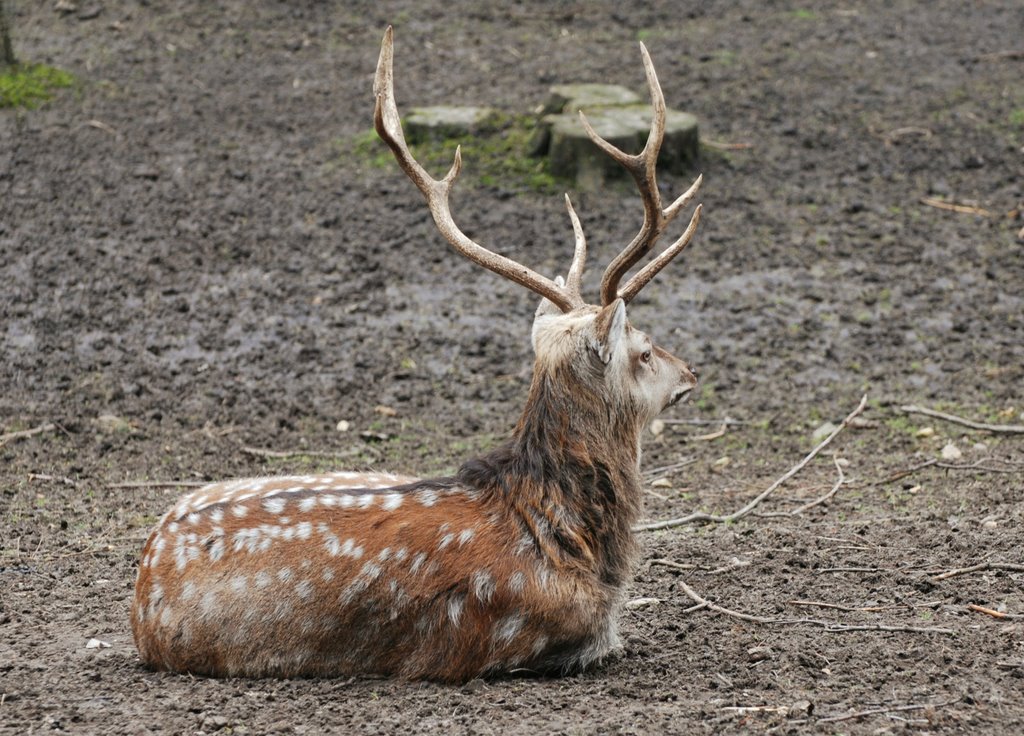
{"x":518,"y":562}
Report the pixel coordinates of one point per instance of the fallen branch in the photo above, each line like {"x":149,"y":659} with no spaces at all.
{"x":866,"y":609}
{"x":994,"y":428}
{"x":160,"y":484}
{"x":1012,"y":54}
{"x":884,"y":710}
{"x":286,"y":454}
{"x":669,"y":468}
{"x":724,"y":146}
{"x":991,"y":611}
{"x":736,"y":515}
{"x":830,"y":626}
{"x":23,"y":433}
{"x":820,"y":500}
{"x":57,"y":478}
{"x":1010,"y":566}
{"x":704,"y":422}
{"x":965,"y":209}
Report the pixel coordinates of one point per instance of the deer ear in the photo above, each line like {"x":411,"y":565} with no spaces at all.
{"x":548,"y":307}
{"x":610,"y":330}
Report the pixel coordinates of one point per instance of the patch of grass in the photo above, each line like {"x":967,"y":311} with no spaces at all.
{"x":804,"y":14}
{"x":1017,"y":117}
{"x":496,"y":156}
{"x":30,"y":85}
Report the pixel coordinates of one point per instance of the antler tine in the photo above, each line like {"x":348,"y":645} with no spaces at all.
{"x":574,"y":280}
{"x":389,"y":127}
{"x":648,"y":272}
{"x":642,"y":167}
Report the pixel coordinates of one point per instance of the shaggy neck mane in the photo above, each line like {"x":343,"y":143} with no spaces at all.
{"x":571,"y":474}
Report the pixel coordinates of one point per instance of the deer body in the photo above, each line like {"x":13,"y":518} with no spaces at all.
{"x":518,"y":562}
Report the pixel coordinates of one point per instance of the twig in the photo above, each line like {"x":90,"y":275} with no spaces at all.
{"x":161,"y":484}
{"x":702,"y":516}
{"x":703,"y":422}
{"x":965,"y":209}
{"x":1012,"y":567}
{"x":831,"y":626}
{"x":668,"y":468}
{"x":866,"y":609}
{"x":894,"y":135}
{"x":285,"y":454}
{"x":58,"y":478}
{"x":888,"y":709}
{"x":905,"y":473}
{"x":723,"y":146}
{"x":1012,"y":54}
{"x":820,"y":500}
{"x":991,"y":611}
{"x":720,"y":432}
{"x":995,"y":428}
{"x":23,"y":433}
{"x":670,"y":563}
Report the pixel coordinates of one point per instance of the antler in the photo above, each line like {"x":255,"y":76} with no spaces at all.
{"x":642,"y":166}
{"x":389,"y":128}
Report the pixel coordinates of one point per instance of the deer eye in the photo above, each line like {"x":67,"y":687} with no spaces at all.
{"x":645,"y":356}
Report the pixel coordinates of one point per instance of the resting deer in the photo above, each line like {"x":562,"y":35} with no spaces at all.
{"x":517,"y":562}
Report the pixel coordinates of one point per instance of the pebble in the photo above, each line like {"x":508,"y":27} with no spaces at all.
{"x":951,"y":452}
{"x":657,"y":427}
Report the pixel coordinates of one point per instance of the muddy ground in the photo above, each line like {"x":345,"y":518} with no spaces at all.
{"x":194,"y":260}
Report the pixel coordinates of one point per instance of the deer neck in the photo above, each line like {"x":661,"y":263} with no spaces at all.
{"x":570,"y":473}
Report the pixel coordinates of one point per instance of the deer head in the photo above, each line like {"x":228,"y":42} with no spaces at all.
{"x":595,"y":342}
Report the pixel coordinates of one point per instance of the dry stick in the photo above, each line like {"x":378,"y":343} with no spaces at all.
{"x":702,"y":516}
{"x":59,"y":478}
{"x":995,"y":428}
{"x":884,"y":710}
{"x":1012,"y":567}
{"x":830,"y":626}
{"x":866,"y":609}
{"x":669,"y":468}
{"x":700,"y":422}
{"x":991,"y":611}
{"x":160,"y":484}
{"x":965,"y":209}
{"x":278,"y":454}
{"x":811,"y":504}
{"x":23,"y":433}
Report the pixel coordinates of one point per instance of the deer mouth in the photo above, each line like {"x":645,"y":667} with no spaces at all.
{"x":677,"y":396}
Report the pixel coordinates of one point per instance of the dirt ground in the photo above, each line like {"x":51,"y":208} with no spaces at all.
{"x":193,"y":261}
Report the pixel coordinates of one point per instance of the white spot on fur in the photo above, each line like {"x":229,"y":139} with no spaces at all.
{"x":239,"y":511}
{"x":188,"y":591}
{"x":455,"y":606}
{"x":217,"y":516}
{"x":483,"y":585}
{"x":307,"y":504}
{"x":327,"y":574}
{"x":263,"y":579}
{"x":445,"y":540}
{"x":274,"y":505}
{"x":217,"y":549}
{"x":165,"y":616}
{"x":371,"y":571}
{"x":284,"y":574}
{"x":366,"y":500}
{"x":384,"y":554}
{"x":401,"y":554}
{"x":508,"y":627}
{"x":304,"y":589}
{"x":417,"y":563}
{"x":517,"y":581}
{"x":392,"y":501}
{"x":465,"y":535}
{"x":303,"y":529}
{"x":239,"y":583}
{"x":427,"y":497}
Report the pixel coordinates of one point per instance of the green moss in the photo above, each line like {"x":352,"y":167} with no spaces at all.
{"x":497,"y":156}
{"x":30,"y":85}
{"x":1017,"y":117}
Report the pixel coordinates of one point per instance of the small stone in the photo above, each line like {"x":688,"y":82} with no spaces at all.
{"x":758,"y":654}
{"x":638,"y":603}
{"x":914,"y":490}
{"x":990,"y":524}
{"x":343,"y":425}
{"x":214,"y":723}
{"x":951,"y":452}
{"x":979,"y":447}
{"x":661,"y":483}
{"x":657,"y":427}
{"x":722,"y":462}
{"x":111,"y":424}
{"x":823,"y":431}
{"x":97,"y":644}
{"x":925,"y":432}
{"x":385,"y":411}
